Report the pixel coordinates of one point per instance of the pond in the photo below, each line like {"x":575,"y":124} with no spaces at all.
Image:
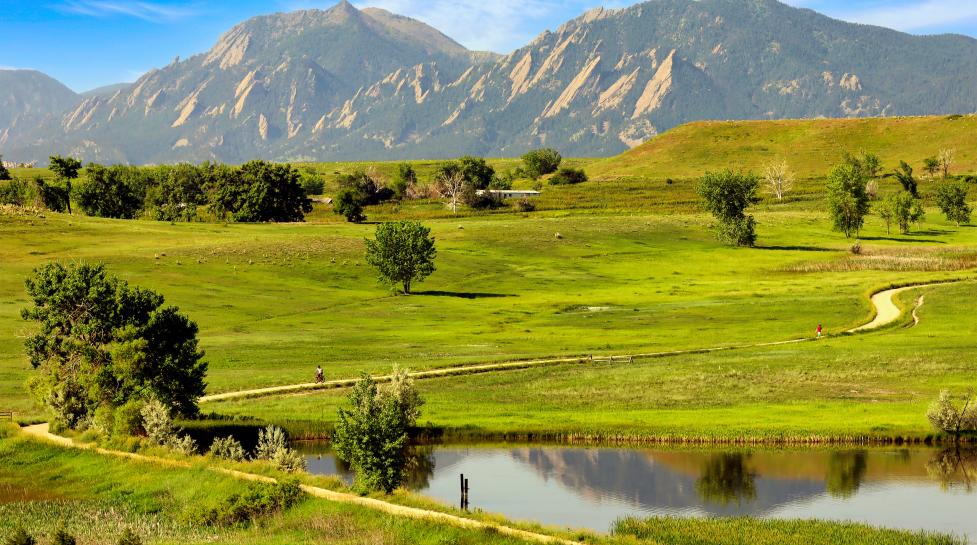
{"x":905,"y":488}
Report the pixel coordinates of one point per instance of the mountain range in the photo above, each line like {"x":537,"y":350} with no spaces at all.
{"x":350,"y":84}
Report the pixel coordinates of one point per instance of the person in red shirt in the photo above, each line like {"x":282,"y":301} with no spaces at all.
{"x":819,"y":331}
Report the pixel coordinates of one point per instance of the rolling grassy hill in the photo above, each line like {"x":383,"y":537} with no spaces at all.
{"x":810,"y":146}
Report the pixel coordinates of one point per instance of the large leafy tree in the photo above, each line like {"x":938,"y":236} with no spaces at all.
{"x":112,"y":192}
{"x":402,"y":253}
{"x":258,"y":192}
{"x":540,"y":162}
{"x":848,"y":199}
{"x":727,"y":195}
{"x":4,"y":173}
{"x":102,"y":343}
{"x":65,"y":169}
{"x":952,"y":200}
{"x":177,"y":192}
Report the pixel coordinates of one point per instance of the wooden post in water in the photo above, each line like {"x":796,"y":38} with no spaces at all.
{"x":464,"y":491}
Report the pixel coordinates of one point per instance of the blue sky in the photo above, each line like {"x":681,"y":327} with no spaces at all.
{"x":89,"y":43}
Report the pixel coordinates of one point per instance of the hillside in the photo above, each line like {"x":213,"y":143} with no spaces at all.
{"x":811,"y":147}
{"x":27,"y":99}
{"x":345,"y":84}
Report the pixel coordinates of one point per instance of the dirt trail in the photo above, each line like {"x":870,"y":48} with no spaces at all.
{"x":886,"y":312}
{"x":41,"y":431}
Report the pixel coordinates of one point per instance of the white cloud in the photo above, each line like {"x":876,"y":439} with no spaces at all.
{"x":147,"y":11}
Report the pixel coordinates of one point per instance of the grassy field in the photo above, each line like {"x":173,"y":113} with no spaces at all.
{"x":272,"y":301}
{"x":809,"y":146}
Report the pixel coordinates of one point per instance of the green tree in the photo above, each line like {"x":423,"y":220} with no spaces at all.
{"x":368,"y":185}
{"x":931,"y":165}
{"x":4,"y":173}
{"x":474,"y":171}
{"x":955,"y":416}
{"x":349,"y":204}
{"x":177,"y":192}
{"x":540,"y":162}
{"x":65,"y":169}
{"x":952,"y":200}
{"x":904,"y":175}
{"x":727,"y":195}
{"x":903,"y":210}
{"x":371,"y":432}
{"x":848,"y":200}
{"x":258,"y":192}
{"x":100,"y":342}
{"x":402,"y":253}
{"x":406,"y":178}
{"x":113,"y":192}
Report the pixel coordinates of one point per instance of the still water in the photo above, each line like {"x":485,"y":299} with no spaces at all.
{"x":907,"y":488}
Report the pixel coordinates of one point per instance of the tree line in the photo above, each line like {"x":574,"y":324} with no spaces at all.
{"x":256,"y":191}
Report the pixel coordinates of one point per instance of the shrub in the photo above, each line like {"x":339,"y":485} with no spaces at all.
{"x":525,"y":205}
{"x":541,"y":162}
{"x":129,"y":538}
{"x":856,"y":249}
{"x":20,"y":537}
{"x":270,"y":440}
{"x":183,"y":444}
{"x":569,"y":176}
{"x":157,"y":422}
{"x":948,"y":417}
{"x":61,"y":537}
{"x":260,"y":500}
{"x":227,"y":448}
{"x":13,"y":192}
{"x":4,"y":173}
{"x":128,"y":418}
{"x":288,"y":460}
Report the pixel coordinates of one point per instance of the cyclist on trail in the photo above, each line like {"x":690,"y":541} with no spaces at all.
{"x":319,"y":377}
{"x":819,"y":331}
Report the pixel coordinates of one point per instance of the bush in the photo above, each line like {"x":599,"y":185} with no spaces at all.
{"x":113,"y":192}
{"x":4,"y":173}
{"x":541,"y":162}
{"x":183,"y":444}
{"x":129,"y":538}
{"x":270,"y":440}
{"x":227,"y":448}
{"x":13,"y":192}
{"x":569,"y":176}
{"x":157,"y":422}
{"x":288,"y":460}
{"x":62,"y":537}
{"x":20,"y":537}
{"x":948,"y":417}
{"x":260,"y":500}
{"x":128,"y":418}
{"x":525,"y":205}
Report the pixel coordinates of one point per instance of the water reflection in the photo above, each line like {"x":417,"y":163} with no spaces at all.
{"x":906,"y":488}
{"x":846,"y":469}
{"x":954,"y":467}
{"x":725,"y":479}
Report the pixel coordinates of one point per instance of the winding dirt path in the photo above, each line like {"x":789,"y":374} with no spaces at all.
{"x":886,"y":312}
{"x":42,"y":432}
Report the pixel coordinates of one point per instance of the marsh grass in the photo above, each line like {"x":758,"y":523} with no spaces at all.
{"x":738,"y":531}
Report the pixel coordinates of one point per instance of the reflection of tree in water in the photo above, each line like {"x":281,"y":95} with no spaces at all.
{"x":726,"y":478}
{"x":846,"y":470}
{"x":419,"y":468}
{"x":954,"y":466}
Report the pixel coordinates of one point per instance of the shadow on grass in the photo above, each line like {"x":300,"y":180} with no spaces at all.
{"x":798,"y":248}
{"x":462,"y":294}
{"x":908,"y":238}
